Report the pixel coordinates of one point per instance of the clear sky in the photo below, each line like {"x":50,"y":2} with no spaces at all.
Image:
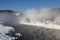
{"x":28,"y":4}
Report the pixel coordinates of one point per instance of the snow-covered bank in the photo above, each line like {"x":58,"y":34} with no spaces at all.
{"x":4,"y":30}
{"x":41,"y":24}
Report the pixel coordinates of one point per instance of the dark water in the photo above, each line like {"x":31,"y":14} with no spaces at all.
{"x":35,"y":33}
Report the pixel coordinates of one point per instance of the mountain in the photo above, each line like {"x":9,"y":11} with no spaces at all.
{"x":6,"y":11}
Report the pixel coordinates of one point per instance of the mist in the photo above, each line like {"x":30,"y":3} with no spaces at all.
{"x":32,"y":15}
{"x":47,"y":14}
{"x":30,"y":32}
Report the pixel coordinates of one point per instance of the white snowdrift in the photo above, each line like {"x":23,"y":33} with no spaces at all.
{"x":41,"y":24}
{"x":4,"y":30}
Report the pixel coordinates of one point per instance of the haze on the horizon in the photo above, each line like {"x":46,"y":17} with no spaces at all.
{"x":34,"y":9}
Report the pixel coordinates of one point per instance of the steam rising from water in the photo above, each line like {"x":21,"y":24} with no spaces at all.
{"x":47,"y":14}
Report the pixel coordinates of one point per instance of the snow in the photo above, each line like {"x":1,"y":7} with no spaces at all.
{"x":4,"y":30}
{"x":41,"y":24}
{"x":18,"y":34}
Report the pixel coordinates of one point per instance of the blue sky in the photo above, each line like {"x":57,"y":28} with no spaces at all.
{"x":28,"y":4}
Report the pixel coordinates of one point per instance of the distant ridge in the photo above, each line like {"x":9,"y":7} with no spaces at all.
{"x":7,"y":11}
